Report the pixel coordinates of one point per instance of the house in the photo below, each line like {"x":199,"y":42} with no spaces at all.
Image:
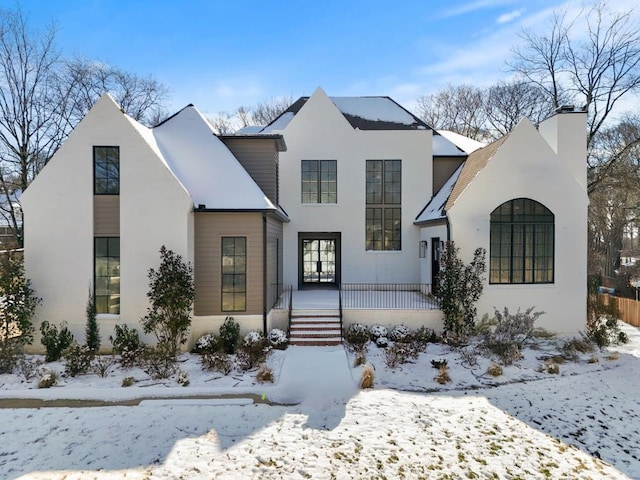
{"x":354,"y":193}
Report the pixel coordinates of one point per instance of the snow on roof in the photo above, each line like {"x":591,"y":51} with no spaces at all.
{"x":205,"y":166}
{"x":434,"y":210}
{"x":249,"y":130}
{"x":466,"y":144}
{"x":442,"y":147}
{"x":279,"y":123}
{"x":375,"y":109}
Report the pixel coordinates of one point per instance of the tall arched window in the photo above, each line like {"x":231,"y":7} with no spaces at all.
{"x":522,"y":243}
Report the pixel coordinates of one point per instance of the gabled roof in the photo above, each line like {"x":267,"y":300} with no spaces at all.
{"x":205,"y":166}
{"x":363,"y":113}
{"x":441,"y":202}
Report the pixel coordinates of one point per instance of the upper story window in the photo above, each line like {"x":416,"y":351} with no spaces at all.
{"x":522,"y":243}
{"x":383,"y":199}
{"x":106,"y":170}
{"x":319,"y":181}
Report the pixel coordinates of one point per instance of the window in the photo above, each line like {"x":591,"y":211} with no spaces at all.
{"x":234,"y":274}
{"x":107,"y":274}
{"x":319,"y":181}
{"x":383,"y":198}
{"x":106,"y":170}
{"x":522,"y":243}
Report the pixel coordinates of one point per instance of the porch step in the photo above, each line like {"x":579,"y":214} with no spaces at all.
{"x":315,"y":330}
{"x":309,"y":313}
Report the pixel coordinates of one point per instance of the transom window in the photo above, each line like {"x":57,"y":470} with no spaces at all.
{"x":522,"y":243}
{"x":234,"y":274}
{"x":106,"y":170}
{"x":107,"y":274}
{"x":383,"y":199}
{"x":319,"y":181}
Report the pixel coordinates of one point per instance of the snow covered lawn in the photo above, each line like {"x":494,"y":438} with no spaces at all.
{"x":581,"y":423}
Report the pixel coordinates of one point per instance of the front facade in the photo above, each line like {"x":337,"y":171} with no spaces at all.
{"x":332,"y":193}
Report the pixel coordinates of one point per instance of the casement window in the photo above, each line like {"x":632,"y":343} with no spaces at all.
{"x":383,"y":209}
{"x":234,"y":274}
{"x":106,"y":170}
{"x":521,"y":243}
{"x":319,"y":181}
{"x":107,"y":274}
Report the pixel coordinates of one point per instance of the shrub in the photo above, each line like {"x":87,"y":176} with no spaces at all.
{"x":382,"y":342}
{"x":367,"y":377}
{"x":216,"y":362}
{"x":55,"y":342}
{"x":401,"y":353}
{"x":459,"y":289}
{"x":254,"y":350}
{"x":159,"y":362}
{"x":102,"y":365}
{"x":357,"y":335}
{"x":92,"y":331}
{"x":494,"y":370}
{"x":229,"y":335}
{"x":48,"y":379}
{"x":264,"y":374}
{"x":182,"y":379}
{"x":551,"y":368}
{"x":425,"y":335}
{"x":400,"y":333}
{"x":171,"y":294}
{"x":605,"y":331}
{"x":510,"y":334}
{"x":207,"y":343}
{"x":278,"y":339}
{"x":10,"y":356}
{"x":469,"y":355}
{"x":29,"y":368}
{"x":127,"y":344}
{"x":360,"y":359}
{"x":438,"y":364}
{"x":573,"y":346}
{"x":443,"y":375}
{"x":128,"y":381}
{"x":377,"y":331}
{"x":18,"y":303}
{"x":77,"y":359}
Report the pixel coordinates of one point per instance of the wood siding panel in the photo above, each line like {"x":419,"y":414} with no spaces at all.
{"x":260,"y":159}
{"x":106,"y":215}
{"x":443,"y":168}
{"x":210,"y":227}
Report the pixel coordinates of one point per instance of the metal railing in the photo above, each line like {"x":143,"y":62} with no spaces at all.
{"x":387,"y":296}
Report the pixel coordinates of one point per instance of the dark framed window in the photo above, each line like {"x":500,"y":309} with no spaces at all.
{"x":522,"y":242}
{"x":383,"y":220}
{"x":234,"y":274}
{"x":106,"y":170}
{"x":107,"y":274}
{"x":319,"y":181}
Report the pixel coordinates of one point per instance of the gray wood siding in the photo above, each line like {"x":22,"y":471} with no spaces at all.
{"x":274,"y":258}
{"x":260,"y":159}
{"x":209,"y":228}
{"x":106,"y":215}
{"x":443,"y":167}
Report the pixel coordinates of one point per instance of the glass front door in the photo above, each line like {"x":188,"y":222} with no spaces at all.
{"x":318,"y":261}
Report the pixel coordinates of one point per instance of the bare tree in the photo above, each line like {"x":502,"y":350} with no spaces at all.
{"x":223,"y":123}
{"x":43,"y":97}
{"x":263,"y":112}
{"x":456,"y":108}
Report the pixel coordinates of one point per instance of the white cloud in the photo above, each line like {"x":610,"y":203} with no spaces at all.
{"x":509,"y":17}
{"x":473,"y":6}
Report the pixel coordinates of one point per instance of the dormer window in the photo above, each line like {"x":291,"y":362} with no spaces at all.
{"x":106,"y":170}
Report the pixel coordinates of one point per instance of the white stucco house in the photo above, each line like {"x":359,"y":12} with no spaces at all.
{"x":336,"y":193}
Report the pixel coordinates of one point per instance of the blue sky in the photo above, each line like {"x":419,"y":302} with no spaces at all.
{"x":223,"y":54}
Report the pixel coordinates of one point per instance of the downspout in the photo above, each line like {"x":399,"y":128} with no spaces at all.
{"x":264,"y":273}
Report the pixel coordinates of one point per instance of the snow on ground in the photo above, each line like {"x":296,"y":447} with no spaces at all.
{"x":581,"y":423}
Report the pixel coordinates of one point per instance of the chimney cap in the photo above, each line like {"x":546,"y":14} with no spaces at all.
{"x":565,"y":108}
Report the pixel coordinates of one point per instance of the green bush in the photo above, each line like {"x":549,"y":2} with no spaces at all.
{"x":357,"y":334}
{"x":92,"y":331}
{"x":77,"y":359}
{"x":55,"y":341}
{"x":216,"y":362}
{"x":159,"y":362}
{"x":207,"y":343}
{"x":253,"y":351}
{"x":127,"y":344}
{"x":229,"y":334}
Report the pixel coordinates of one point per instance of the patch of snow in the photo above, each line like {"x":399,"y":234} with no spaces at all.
{"x":434,"y":209}
{"x":445,"y":148}
{"x":279,"y":124}
{"x":466,"y":144}
{"x":373,"y":108}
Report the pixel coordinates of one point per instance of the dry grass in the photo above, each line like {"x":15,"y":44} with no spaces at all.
{"x":494,"y":370}
{"x":368,"y":374}
{"x":443,"y":375}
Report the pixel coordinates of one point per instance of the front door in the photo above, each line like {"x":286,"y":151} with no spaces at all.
{"x":319,"y":262}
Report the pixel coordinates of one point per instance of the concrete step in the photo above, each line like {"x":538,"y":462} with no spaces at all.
{"x":306,"y":313}
{"x":316,"y":342}
{"x":314,"y":333}
{"x":315,"y":321}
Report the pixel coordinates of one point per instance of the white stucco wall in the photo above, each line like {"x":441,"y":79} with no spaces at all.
{"x":426,"y":234}
{"x":154,"y":210}
{"x":526,"y":166}
{"x":320,"y":132}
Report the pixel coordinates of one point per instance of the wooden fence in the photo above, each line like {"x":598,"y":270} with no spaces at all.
{"x":629,"y":309}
